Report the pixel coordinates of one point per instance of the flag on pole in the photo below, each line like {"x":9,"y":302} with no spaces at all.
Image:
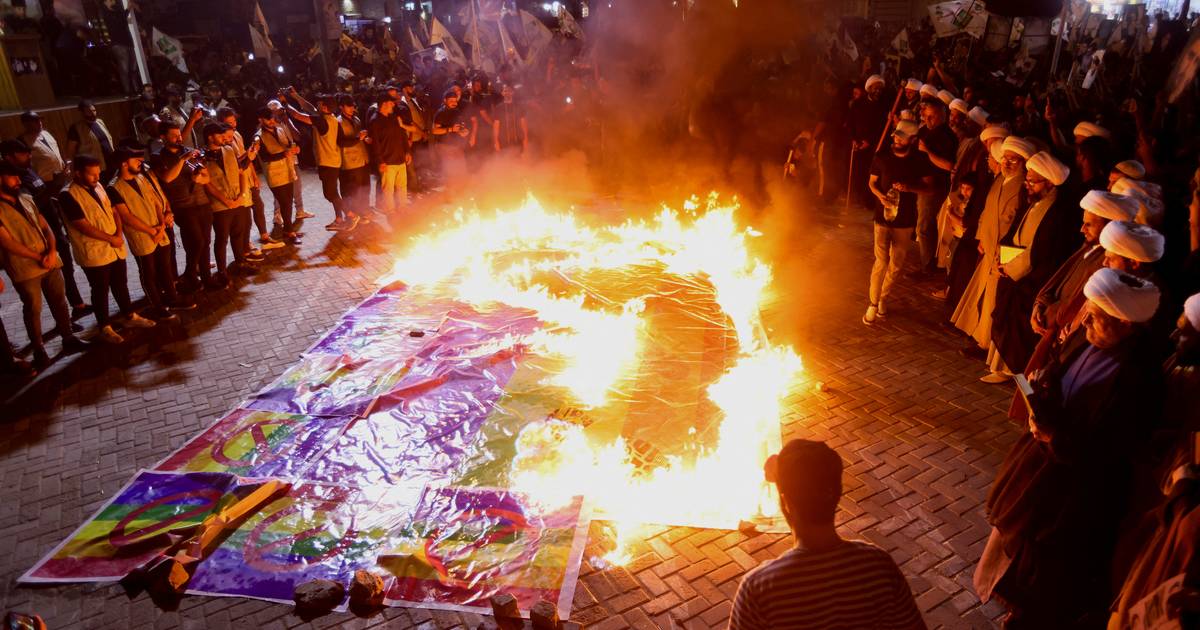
{"x":847,"y":46}
{"x":166,"y":46}
{"x":567,"y":23}
{"x":472,"y":35}
{"x":510,"y":48}
{"x":900,"y":44}
{"x":959,"y":16}
{"x":413,"y":41}
{"x":537,"y":36}
{"x":260,"y":36}
{"x":439,"y":34}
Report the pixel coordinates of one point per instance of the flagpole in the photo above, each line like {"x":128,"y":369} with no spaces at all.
{"x":323,"y":39}
{"x":139,"y":53}
{"x":1062,"y":24}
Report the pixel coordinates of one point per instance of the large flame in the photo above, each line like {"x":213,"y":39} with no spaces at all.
{"x":534,"y":259}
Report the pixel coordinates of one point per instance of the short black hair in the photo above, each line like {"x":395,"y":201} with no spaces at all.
{"x":225,"y":112}
{"x":809,"y":477}
{"x":84,"y":104}
{"x":215,"y":129}
{"x":264,"y":113}
{"x":345,"y":100}
{"x":82,"y":161}
{"x":29,"y":115}
{"x":166,"y":125}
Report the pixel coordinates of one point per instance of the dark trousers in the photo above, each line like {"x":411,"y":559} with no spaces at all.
{"x":260,"y":211}
{"x":158,"y":277}
{"x":240,"y":236}
{"x":223,"y":228}
{"x":284,"y":195}
{"x":329,"y":188}
{"x":63,"y":247}
{"x":103,"y":279}
{"x":31,"y":291}
{"x":196,"y":227}
{"x":7,"y":358}
{"x":356,"y":186}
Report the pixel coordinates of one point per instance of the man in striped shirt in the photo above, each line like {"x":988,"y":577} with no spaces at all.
{"x":825,"y":582}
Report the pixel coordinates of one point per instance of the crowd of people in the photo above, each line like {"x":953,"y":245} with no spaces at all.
{"x":1061,"y":230}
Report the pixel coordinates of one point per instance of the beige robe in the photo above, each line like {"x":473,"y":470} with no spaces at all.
{"x":973,"y":315}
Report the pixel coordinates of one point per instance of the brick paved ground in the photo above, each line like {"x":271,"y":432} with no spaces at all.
{"x":921,"y":438}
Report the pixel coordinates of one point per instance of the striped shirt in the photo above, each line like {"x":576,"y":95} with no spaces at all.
{"x":855,"y":586}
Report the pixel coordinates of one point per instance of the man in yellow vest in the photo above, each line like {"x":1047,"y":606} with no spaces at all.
{"x":90,"y":136}
{"x":229,"y":195}
{"x":139,"y":199}
{"x":355,"y":176}
{"x":277,"y":155}
{"x":329,"y":155}
{"x":27,"y":245}
{"x":95,"y":232}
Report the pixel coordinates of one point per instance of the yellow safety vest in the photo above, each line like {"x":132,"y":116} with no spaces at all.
{"x":90,"y":252}
{"x":146,"y":202}
{"x":23,"y":222}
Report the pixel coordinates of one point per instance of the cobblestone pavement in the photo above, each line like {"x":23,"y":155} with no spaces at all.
{"x":921,"y":437}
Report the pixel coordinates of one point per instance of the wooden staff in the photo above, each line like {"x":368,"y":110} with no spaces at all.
{"x":892,"y":116}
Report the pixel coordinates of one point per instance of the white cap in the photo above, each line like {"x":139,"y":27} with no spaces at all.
{"x":905,"y":129}
{"x":1049,"y":167}
{"x":872,"y":80}
{"x":1020,"y":146}
{"x":1087,"y":129}
{"x":1122,"y":295}
{"x":979,"y":115}
{"x":1109,"y":206}
{"x":1133,"y":241}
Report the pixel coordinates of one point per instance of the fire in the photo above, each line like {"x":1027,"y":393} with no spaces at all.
{"x":591,"y":288}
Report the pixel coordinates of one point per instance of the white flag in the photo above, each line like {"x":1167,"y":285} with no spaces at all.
{"x":567,"y":23}
{"x":261,"y":45}
{"x":900,"y":44}
{"x":511,"y":55}
{"x":438,"y":34}
{"x":413,"y":41}
{"x":959,"y":16}
{"x":169,"y":47}
{"x":537,"y":36}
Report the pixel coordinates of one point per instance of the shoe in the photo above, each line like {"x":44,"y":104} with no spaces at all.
{"x":251,"y":258}
{"x":277,"y":231}
{"x":995,"y":378}
{"x":163,"y":314}
{"x":218,"y":282}
{"x":881,"y":312}
{"x":79,"y":310}
{"x":940,"y":294}
{"x":272,"y":245}
{"x":304,"y":215}
{"x":973,"y":352}
{"x":871,"y":314}
{"x":182,"y":305}
{"x":255,"y":252}
{"x":351,"y":222}
{"x":19,"y":368}
{"x":336,"y":226}
{"x":75,"y":345}
{"x":41,"y":360}
{"x":137,"y":321}
{"x":108,"y":335}
{"x":76,"y":327}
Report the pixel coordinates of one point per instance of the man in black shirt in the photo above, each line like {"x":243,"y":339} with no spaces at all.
{"x":510,"y":129}
{"x":937,"y":141}
{"x":388,"y":141}
{"x":897,"y":176}
{"x":451,"y":131}
{"x":866,"y":119}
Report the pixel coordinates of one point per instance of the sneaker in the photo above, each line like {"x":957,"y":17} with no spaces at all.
{"x":270,"y":238}
{"x":164,"y":314}
{"x":108,"y":335}
{"x":335,"y":226}
{"x":995,"y":378}
{"x":218,"y":282}
{"x":277,"y":231}
{"x":871,"y":314}
{"x":75,"y":345}
{"x":304,"y":215}
{"x":79,"y":310}
{"x":182,"y":305}
{"x":19,"y":368}
{"x":272,"y":245}
{"x":351,"y":222}
{"x":255,"y":252}
{"x":137,"y":321}
{"x":253,"y":258}
{"x":76,"y":327}
{"x":882,"y":311}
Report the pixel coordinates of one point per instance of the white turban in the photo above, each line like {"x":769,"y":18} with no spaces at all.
{"x":945,"y":96}
{"x":1088,"y":129}
{"x":979,"y":115}
{"x":1191,"y":310}
{"x":1132,"y":169}
{"x":1049,"y":167}
{"x":274,"y":105}
{"x":993,"y":132}
{"x":1133,"y":241}
{"x":907,"y":114}
{"x":960,"y":106}
{"x":1149,"y":210}
{"x":997,"y":152}
{"x":1020,"y":146}
{"x":913,"y":84}
{"x":1125,"y":185}
{"x":929,"y":90}
{"x":873,"y":79}
{"x":1121,"y":295}
{"x":1109,"y":206}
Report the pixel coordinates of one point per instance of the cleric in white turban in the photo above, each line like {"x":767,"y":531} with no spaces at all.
{"x":928,"y":90}
{"x":1048,"y":167}
{"x":960,"y":106}
{"x":993,"y":134}
{"x":1131,"y":247}
{"x":1087,"y":129}
{"x":914,"y":85}
{"x":874,"y":79}
{"x":1132,"y":169}
{"x":1122,"y":296}
{"x":945,"y":96}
